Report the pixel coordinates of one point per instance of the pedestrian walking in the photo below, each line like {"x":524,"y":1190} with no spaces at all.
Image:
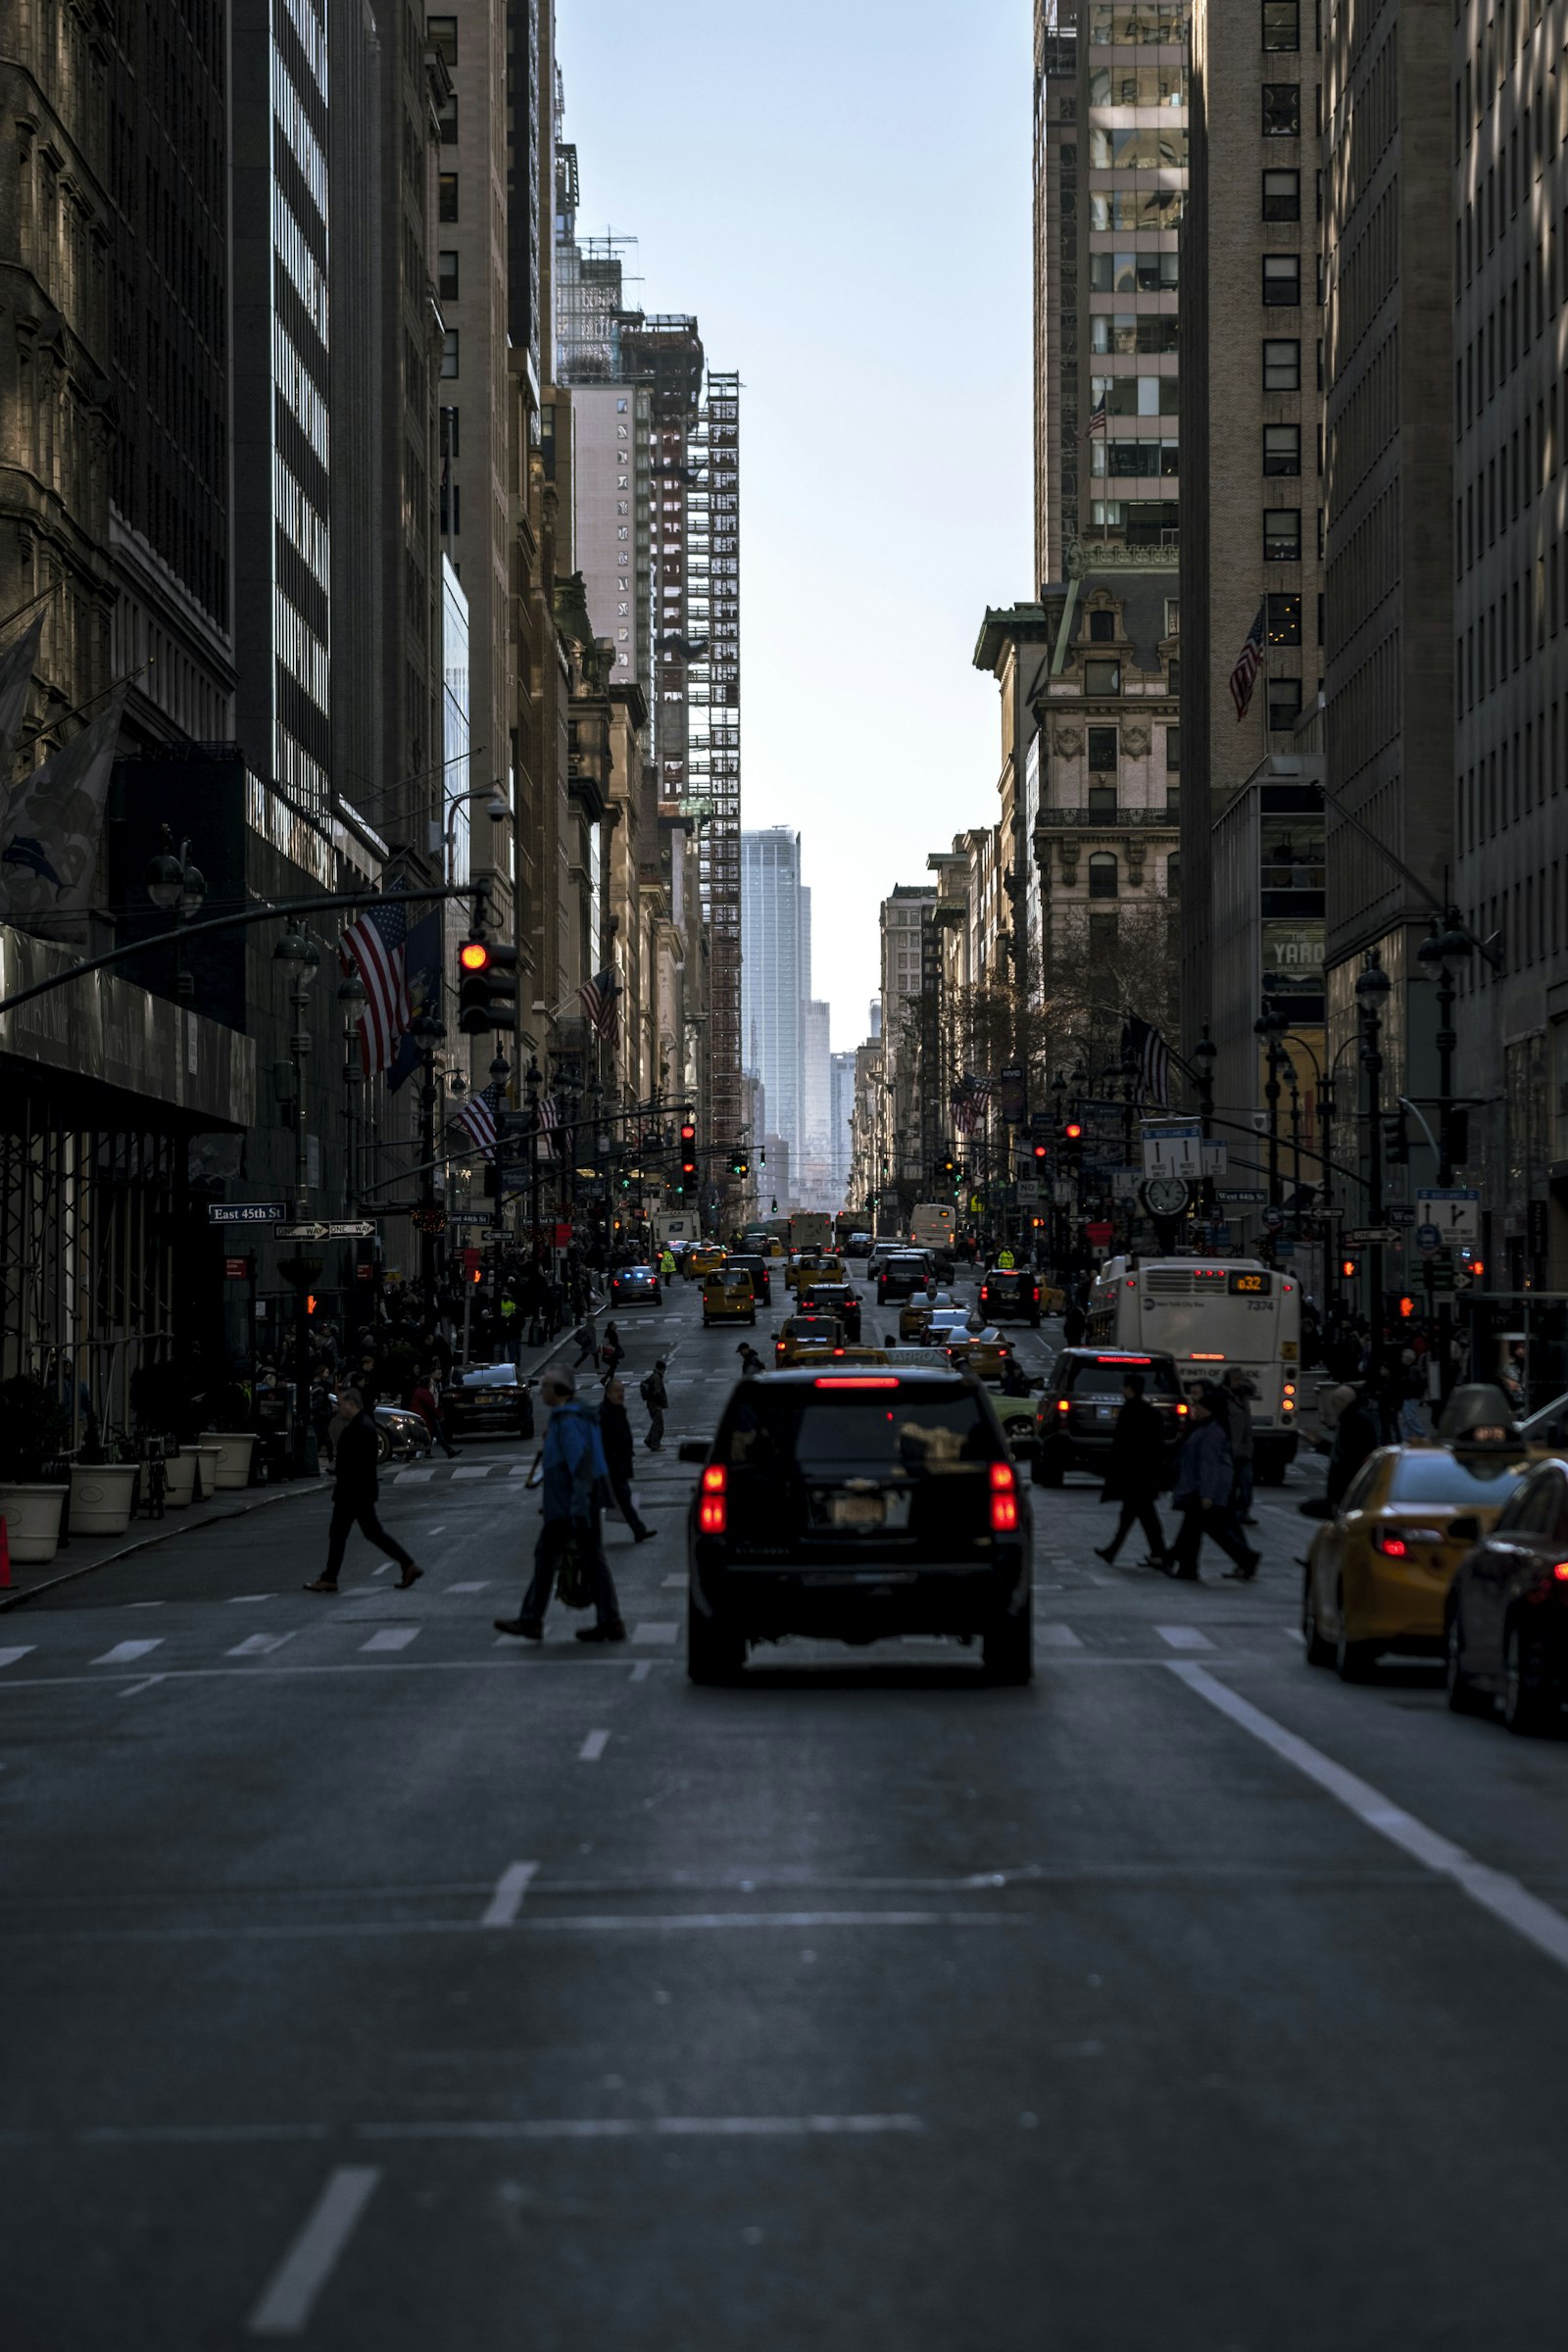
{"x":656,"y":1397}
{"x":611,"y":1354}
{"x":586,"y":1336}
{"x":1239,"y":1389}
{"x":572,"y":1463}
{"x":1136,"y":1473}
{"x":1075,"y":1323}
{"x":426,"y":1402}
{"x":354,"y":1500}
{"x":1355,"y":1436}
{"x":751,"y":1362}
{"x":1204,"y":1476}
{"x":614,"y":1432}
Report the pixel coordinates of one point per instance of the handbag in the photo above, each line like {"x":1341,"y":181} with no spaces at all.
{"x":572,"y":1587}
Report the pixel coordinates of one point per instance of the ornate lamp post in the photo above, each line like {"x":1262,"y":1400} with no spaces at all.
{"x":298,"y":957}
{"x":176,"y":883}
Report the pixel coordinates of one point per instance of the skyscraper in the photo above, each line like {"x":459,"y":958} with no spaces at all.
{"x":775,"y":980}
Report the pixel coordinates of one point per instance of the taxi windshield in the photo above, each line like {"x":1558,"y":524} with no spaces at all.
{"x":1447,"y":1478}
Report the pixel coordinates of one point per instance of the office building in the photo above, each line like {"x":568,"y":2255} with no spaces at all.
{"x":775,"y":980}
{"x":840,"y":1125}
{"x":814,"y":1183}
{"x":1250,"y":328}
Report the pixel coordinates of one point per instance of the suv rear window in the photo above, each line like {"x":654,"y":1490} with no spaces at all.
{"x":1104,"y":1380}
{"x":1007,"y":1278}
{"x":825,"y":1433}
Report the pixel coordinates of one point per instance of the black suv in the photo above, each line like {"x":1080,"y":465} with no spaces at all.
{"x":854,"y":1506}
{"x":900,"y":1276}
{"x":1009,"y":1295}
{"x":1077,"y":1417}
{"x":757,"y":1267}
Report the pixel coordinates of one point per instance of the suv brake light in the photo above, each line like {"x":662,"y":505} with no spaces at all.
{"x":1064,"y":1404}
{"x":712,"y":1512}
{"x":1003,"y":1498}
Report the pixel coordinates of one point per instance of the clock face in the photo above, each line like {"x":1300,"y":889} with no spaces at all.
{"x":1165,"y":1195}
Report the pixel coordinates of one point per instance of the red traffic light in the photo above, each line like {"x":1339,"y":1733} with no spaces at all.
{"x":688,"y":1149}
{"x":1347,"y":1267}
{"x":1073,"y":1131}
{"x":474,"y":955}
{"x":1040,"y":1152}
{"x":1408,"y":1307}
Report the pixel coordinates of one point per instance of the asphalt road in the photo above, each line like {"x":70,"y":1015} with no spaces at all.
{"x":371,"y":1980}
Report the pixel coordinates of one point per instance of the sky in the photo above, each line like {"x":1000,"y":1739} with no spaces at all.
{"x":841,"y":195}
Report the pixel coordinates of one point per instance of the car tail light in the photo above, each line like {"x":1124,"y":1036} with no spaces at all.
{"x":1559,"y":1569}
{"x":1392,"y":1547}
{"x":712,"y":1512}
{"x":857,"y":1380}
{"x":1036,"y":1290}
{"x":1003,"y":1498}
{"x":1180,"y":1410}
{"x":1064,"y":1404}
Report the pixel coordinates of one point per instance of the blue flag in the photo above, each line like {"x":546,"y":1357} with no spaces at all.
{"x":422,"y":959}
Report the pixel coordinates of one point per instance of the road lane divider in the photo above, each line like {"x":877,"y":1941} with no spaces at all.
{"x":290,"y":2295}
{"x":392,"y":1637}
{"x":123,"y":1652}
{"x":507,"y":1902}
{"x":1538,"y":1921}
{"x":593,"y":1747}
{"x":1183,"y":1637}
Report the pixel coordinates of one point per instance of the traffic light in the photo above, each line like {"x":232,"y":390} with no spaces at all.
{"x":1350,"y":1268}
{"x":1395,"y":1142}
{"x":1042,"y":1154}
{"x":487,"y":987}
{"x":1406,"y":1307}
{"x":687,"y":1150}
{"x":739,"y":1163}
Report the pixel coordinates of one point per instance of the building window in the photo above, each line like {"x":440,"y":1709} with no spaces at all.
{"x":1281,"y":110}
{"x":1103,"y":746}
{"x":449,"y":352}
{"x":1282,"y":449}
{"x":1284,"y":704}
{"x":442,"y":33}
{"x":1173,"y":615}
{"x":1282,"y":281}
{"x":1102,"y":628}
{"x":1173,"y":674}
{"x":1282,"y":195}
{"x":447,"y":123}
{"x":1101,"y":801}
{"x":447,"y":196}
{"x":1173,"y":878}
{"x":446,"y":282}
{"x":1282,"y":23}
{"x":1282,"y":366}
{"x":1102,"y":875}
{"x":1284,"y":620}
{"x":1102,"y":677}
{"x":1173,"y":748}
{"x":1282,"y":535}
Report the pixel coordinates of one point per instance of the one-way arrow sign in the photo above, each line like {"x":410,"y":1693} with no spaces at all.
{"x":345,"y":1229}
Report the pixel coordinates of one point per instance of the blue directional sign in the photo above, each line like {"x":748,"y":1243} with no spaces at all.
{"x":1428,"y":1238}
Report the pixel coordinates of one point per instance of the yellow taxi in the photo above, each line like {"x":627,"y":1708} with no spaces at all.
{"x":701,"y":1259}
{"x":986,"y":1353}
{"x":812,"y":1265}
{"x":1378,"y":1571}
{"x":728,"y":1296}
{"x":804,"y":1339}
{"x":915,"y":1316}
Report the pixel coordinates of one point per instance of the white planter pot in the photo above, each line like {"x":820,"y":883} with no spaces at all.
{"x":180,"y":1476}
{"x":207,"y":1454}
{"x":234,"y":1449}
{"x":32,"y":1514}
{"x":101,"y":1497}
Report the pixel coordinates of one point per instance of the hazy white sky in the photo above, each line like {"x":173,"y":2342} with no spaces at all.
{"x":840,"y":194}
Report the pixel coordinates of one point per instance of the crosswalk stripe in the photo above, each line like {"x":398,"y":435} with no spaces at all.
{"x":256,"y":1645}
{"x":483,"y":1586}
{"x":1183,"y":1637}
{"x":473,"y":1470}
{"x":655,"y":1633}
{"x":1057,"y":1636}
{"x":519,"y":1470}
{"x":392,"y":1637}
{"x":123,"y":1651}
{"x":9,"y":1657}
{"x":410,"y":1478}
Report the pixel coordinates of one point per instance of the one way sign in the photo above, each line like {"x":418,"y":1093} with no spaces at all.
{"x":1455,"y":1212}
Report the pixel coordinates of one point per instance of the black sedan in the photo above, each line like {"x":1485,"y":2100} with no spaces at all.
{"x":636,"y":1286}
{"x":839,"y":1299}
{"x":1506,"y":1629}
{"x":490,"y":1397}
{"x":856,"y":1506}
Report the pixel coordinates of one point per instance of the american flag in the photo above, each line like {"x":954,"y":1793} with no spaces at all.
{"x":1099,"y":422}
{"x":1249,"y":662}
{"x":1148,"y":1050}
{"x":598,"y":997}
{"x":477,"y":1118}
{"x":377,"y":948}
{"x":548,"y":1122}
{"x":968,"y":1101}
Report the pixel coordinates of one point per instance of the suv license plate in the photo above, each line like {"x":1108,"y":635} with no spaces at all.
{"x":857,"y":1511}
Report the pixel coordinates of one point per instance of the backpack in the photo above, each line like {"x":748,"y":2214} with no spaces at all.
{"x":645,"y":1388}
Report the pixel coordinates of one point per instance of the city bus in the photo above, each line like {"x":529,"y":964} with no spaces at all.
{"x":1212,"y":1314}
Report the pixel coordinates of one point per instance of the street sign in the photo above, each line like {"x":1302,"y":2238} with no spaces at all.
{"x":1399,"y":1212}
{"x":1064,"y":1192}
{"x":1455,"y":1210}
{"x":1428,"y":1239}
{"x":1274,"y":1219}
{"x":1440,"y":1273}
{"x":1124,"y":1183}
{"x":1098,"y":1233}
{"x":1174,"y":1149}
{"x":245,"y":1212}
{"x":1042,"y":1126}
{"x":347,"y":1229}
{"x":1241,"y":1195}
{"x":1373,"y":1233}
{"x":239,"y":1269}
{"x":1028,"y":1191}
{"x":1217,"y":1159}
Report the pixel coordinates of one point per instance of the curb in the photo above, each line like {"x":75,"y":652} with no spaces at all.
{"x":164,"y":1535}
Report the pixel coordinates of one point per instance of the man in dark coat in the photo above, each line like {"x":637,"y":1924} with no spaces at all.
{"x":353,"y":1501}
{"x":656,"y":1397}
{"x":614,"y":1432}
{"x":1355,"y":1436}
{"x":1137,"y":1472}
{"x":1075,"y":1323}
{"x":1206,"y":1476}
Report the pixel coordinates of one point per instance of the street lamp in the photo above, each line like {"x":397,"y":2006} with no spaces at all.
{"x":1372,"y":989}
{"x":1440,"y":948}
{"x":428,"y":1034}
{"x":351,"y":999}
{"x":298,"y":958}
{"x":497,"y":809}
{"x":1271,"y":1026}
{"x":175,"y":884}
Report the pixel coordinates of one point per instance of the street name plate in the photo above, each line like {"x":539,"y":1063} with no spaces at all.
{"x":1240,"y":1194}
{"x":245,"y":1212}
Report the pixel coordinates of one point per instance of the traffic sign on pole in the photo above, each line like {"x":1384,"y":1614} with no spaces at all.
{"x":1428,"y":1239}
{"x":1455,"y":1210}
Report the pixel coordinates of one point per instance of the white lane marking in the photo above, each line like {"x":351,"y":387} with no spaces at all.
{"x":1057,"y":1636}
{"x":507,"y":1902}
{"x":239,"y":1599}
{"x":382,"y":1570}
{"x":257,"y":1645}
{"x":483,"y":1586}
{"x":1183,"y":1637}
{"x":1292,"y":1633}
{"x":593,"y":1747}
{"x":642,"y":1670}
{"x":146,"y":1605}
{"x":439,"y":1529}
{"x":123,"y":1651}
{"x":1494,"y":1889}
{"x":656,"y":2127}
{"x":131,"y":1689}
{"x":290,"y":2297}
{"x":673,"y":1583}
{"x":413,"y":1478}
{"x":392,"y":1637}
{"x":25,"y":1649}
{"x":473,"y":1470}
{"x":656,"y":1633}
{"x":519,"y":1470}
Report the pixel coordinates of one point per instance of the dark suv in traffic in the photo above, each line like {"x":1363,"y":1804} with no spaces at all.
{"x":1009,"y":1295}
{"x":856,"y":1506}
{"x":1083,"y":1396}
